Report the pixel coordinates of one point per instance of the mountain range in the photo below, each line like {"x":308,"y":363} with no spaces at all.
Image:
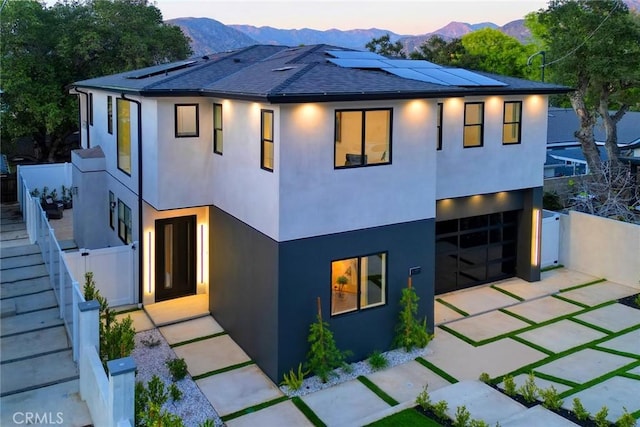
{"x":208,"y":35}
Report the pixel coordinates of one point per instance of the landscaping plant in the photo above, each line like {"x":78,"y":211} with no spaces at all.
{"x":440,"y":409}
{"x":410,"y":332}
{"x":293,"y":380}
{"x":626,"y":420}
{"x":579,"y":410}
{"x":509,"y":385}
{"x":550,"y":398}
{"x":462,"y":417}
{"x":600,"y":418}
{"x":529,"y":390}
{"x":484,"y":377}
{"x":178,"y":368}
{"x":175,"y":392}
{"x":377,"y":361}
{"x":423,"y":400}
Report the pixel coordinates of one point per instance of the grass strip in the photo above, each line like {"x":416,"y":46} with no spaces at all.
{"x":206,"y":337}
{"x":517,"y":316}
{"x":551,"y":267}
{"x":630,"y":375}
{"x":408,"y":417}
{"x":129,"y":310}
{"x":459,"y":335}
{"x":222,"y":370}
{"x":433,"y":368}
{"x":599,"y":379}
{"x":308,"y":412}
{"x":584,"y":285}
{"x":558,"y":380}
{"x":253,"y":408}
{"x":570,"y":301}
{"x":452,"y":307}
{"x":591,"y":326}
{"x":377,"y":390}
{"x":507,"y":293}
{"x":532,"y":345}
{"x":618,"y":352}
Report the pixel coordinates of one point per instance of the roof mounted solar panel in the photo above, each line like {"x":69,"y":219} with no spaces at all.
{"x":358,"y":63}
{"x":354,"y":54}
{"x":478,"y":79}
{"x":443,"y":75}
{"x":411,"y":63}
{"x":159,"y":69}
{"x":408,"y":73}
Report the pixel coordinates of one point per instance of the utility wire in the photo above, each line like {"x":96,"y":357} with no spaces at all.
{"x":615,"y":6}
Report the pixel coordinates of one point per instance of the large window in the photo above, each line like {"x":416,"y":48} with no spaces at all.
{"x":362,"y":137}
{"x":358,"y":283}
{"x":124,"y":135}
{"x":124,"y":222}
{"x":110,"y":114}
{"x":439,"y":125}
{"x":511,"y":127}
{"x":217,"y":128}
{"x":473,"y":124}
{"x":266,"y":140}
{"x":112,"y":210}
{"x":186,"y":120}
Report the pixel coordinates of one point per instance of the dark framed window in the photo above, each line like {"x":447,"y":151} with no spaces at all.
{"x":473,"y":124}
{"x":217,"y":129}
{"x":110,"y":115}
{"x":112,"y":210}
{"x":358,"y":283}
{"x":186,"y":125}
{"x":123,"y":111}
{"x":266,"y":140}
{"x":512,"y":122}
{"x":124,"y":222}
{"x":439,"y":126}
{"x":90,"y":109}
{"x":362,"y":137}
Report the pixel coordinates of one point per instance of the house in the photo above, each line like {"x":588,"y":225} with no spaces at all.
{"x":269,"y":176}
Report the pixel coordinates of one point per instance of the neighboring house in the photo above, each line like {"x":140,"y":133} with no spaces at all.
{"x":270,"y":176}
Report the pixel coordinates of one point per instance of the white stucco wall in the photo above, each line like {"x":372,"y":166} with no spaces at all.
{"x":494,"y":167}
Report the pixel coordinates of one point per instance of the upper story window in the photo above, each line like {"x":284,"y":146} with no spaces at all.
{"x":123,"y":111}
{"x":217,"y":128}
{"x":473,"y":124}
{"x":439,"y":126}
{"x":91,"y":109}
{"x":186,"y":120}
{"x":110,"y":114}
{"x":266,"y":140}
{"x":362,"y":137}
{"x":358,"y":283}
{"x":511,"y":122}
{"x":124,"y":222}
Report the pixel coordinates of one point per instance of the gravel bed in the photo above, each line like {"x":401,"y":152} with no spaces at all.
{"x":193,"y":408}
{"x":394,"y":357}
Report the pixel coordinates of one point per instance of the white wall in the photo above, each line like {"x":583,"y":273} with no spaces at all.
{"x":494,"y":167}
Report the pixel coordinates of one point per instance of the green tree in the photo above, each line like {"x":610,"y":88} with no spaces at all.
{"x":384,"y":46}
{"x":44,"y":49}
{"x":593,"y":47}
{"x":437,"y":49}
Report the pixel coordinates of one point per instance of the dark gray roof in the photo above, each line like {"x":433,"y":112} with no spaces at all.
{"x":563,"y":123}
{"x":279,"y":74}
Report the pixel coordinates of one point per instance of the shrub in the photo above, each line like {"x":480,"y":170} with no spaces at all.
{"x":377,"y":361}
{"x":423,"y":400}
{"x":178,"y":368}
{"x":294,"y":380}
{"x":479,"y":423}
{"x":155,"y":416}
{"x":550,"y":398}
{"x":175,"y":392}
{"x":462,"y":417}
{"x":529,"y":390}
{"x":636,"y":300}
{"x":148,"y":403}
{"x":626,"y":419}
{"x":411,"y":332}
{"x":551,"y":201}
{"x":484,"y":377}
{"x":440,"y":409}
{"x":579,"y":410}
{"x":600,"y":418}
{"x":509,"y":385}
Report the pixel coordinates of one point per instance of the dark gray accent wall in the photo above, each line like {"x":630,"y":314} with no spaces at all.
{"x":532,"y":199}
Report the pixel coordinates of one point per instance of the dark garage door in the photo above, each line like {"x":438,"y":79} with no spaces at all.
{"x":475,"y":250}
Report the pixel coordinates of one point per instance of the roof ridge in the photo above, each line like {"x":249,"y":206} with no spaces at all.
{"x":310,"y":51}
{"x":304,"y":70}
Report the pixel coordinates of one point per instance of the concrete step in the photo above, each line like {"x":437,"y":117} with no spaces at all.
{"x":10,"y":226}
{"x":29,"y":322}
{"x":19,"y":251}
{"x":24,"y":287}
{"x":7,"y":308}
{"x":20,"y":261}
{"x":34,"y":343}
{"x":35,"y":302}
{"x":35,"y":372}
{"x":24,"y":273}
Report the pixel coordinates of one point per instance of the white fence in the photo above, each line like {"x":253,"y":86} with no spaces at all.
{"x":550,"y":239}
{"x":53,"y":176}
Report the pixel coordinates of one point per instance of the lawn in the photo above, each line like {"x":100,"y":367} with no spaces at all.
{"x":408,"y":417}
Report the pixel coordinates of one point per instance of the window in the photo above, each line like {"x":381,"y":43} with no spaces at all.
{"x":90,"y":112}
{"x":217,"y":128}
{"x":186,"y":120}
{"x":110,"y":115}
{"x":362,"y":137}
{"x":124,"y":135}
{"x":112,"y":210}
{"x":266,"y":136}
{"x":511,"y":130}
{"x":124,"y":222}
{"x":439,"y":126}
{"x":473,"y":124}
{"x":358,"y":283}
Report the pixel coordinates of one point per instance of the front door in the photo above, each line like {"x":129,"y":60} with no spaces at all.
{"x":175,"y":257}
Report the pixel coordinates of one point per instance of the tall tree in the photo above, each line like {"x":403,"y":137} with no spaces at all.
{"x":437,"y":49}
{"x":593,"y":47}
{"x":44,"y":49}
{"x":384,"y":46}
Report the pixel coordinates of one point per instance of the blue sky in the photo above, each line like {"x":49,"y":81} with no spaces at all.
{"x":402,"y":17}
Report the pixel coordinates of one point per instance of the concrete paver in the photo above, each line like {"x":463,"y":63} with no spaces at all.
{"x":278,"y":415}
{"x":141,"y":321}
{"x":404,"y":382}
{"x":33,"y":343}
{"x":615,"y":393}
{"x":238,"y":389}
{"x":537,"y":416}
{"x":614,"y":318}
{"x":443,"y":314}
{"x":486,"y":326}
{"x":627,"y":343}
{"x":177,"y":310}
{"x":31,"y":372}
{"x":563,"y":278}
{"x":344,"y":404}
{"x":211,"y":354}
{"x":484,"y":299}
{"x":599,"y":293}
{"x":584,"y":365}
{"x":543,"y":309}
{"x":561,"y":336}
{"x":185,"y":331}
{"x":521,"y":288}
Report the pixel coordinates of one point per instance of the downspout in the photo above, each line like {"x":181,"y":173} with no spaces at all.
{"x":86,"y":95}
{"x":140,"y":224}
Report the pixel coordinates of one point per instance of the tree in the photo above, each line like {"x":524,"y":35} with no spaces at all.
{"x":438,"y":50}
{"x":383,"y":46}
{"x":593,"y":47}
{"x":44,"y":49}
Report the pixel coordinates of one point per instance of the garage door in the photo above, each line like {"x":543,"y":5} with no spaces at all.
{"x":475,"y":250}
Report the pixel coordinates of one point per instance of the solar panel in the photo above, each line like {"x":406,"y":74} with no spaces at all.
{"x":358,"y":63}
{"x":159,"y":69}
{"x":354,"y":54}
{"x":411,"y":63}
{"x":479,"y":79}
{"x":448,"y":78}
{"x":408,"y":73}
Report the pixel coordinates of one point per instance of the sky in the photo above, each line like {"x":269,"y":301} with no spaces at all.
{"x":399,"y":16}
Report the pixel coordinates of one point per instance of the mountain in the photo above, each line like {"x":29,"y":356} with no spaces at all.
{"x":208,"y":35}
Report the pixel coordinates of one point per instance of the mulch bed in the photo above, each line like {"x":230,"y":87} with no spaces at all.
{"x":630,"y":301}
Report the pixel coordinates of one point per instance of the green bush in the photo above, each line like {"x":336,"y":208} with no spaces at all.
{"x":423,"y":400}
{"x":484,"y":377}
{"x":410,"y":332}
{"x":148,"y":402}
{"x":294,"y":380}
{"x":636,"y":300}
{"x":462,"y":417}
{"x":377,"y":361}
{"x":626,"y":419}
{"x":579,"y":410}
{"x":175,"y":392}
{"x":509,"y":385}
{"x":600,"y":418}
{"x":478,"y":423}
{"x":529,"y":390}
{"x":178,"y":368}
{"x":440,"y":409}
{"x":324,"y":356}
{"x":550,"y":398}
{"x":156,"y":417}
{"x":551,"y":201}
